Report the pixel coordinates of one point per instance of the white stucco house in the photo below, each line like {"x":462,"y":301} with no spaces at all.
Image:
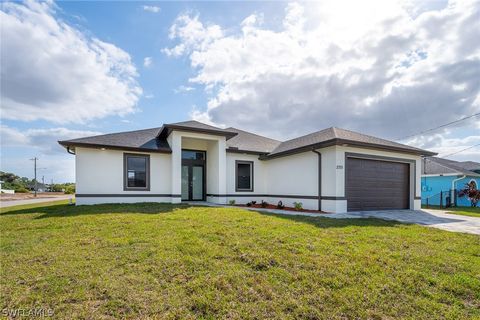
{"x":332,"y":170}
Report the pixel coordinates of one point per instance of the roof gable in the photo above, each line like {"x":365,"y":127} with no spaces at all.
{"x":333,"y":135}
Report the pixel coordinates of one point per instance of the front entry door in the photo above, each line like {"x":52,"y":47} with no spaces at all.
{"x":193,"y":175}
{"x":192,"y":182}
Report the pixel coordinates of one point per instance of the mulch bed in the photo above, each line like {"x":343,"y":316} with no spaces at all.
{"x":271,"y":206}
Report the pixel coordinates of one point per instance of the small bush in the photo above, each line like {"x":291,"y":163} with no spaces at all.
{"x":298,"y":205}
{"x":249,"y":204}
{"x":231,"y":202}
{"x":254,"y":202}
{"x":70,"y":190}
{"x":264,"y":204}
{"x":21,"y":190}
{"x":280,"y":205}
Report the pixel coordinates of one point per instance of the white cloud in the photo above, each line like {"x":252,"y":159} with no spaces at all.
{"x":54,"y":162}
{"x":42,"y":140}
{"x":193,"y":33}
{"x":184,"y":89}
{"x":377,"y":67}
{"x":445,"y":144}
{"x":153,"y":9}
{"x":147,"y":62}
{"x":54,"y":72}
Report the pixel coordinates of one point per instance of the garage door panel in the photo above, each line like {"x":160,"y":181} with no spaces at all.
{"x":376,"y":185}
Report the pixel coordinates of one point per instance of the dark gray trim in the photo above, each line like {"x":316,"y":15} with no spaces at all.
{"x":251,"y":163}
{"x":70,"y":151}
{"x":106,"y":146}
{"x":288,"y":196}
{"x":333,"y":198}
{"x":382,"y":158}
{"x":233,"y":150}
{"x":417,"y":198}
{"x":337,"y":142}
{"x":126,"y":195}
{"x":125,"y":180}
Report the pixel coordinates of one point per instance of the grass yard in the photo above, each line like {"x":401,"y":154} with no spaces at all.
{"x":464,"y":211}
{"x":164,"y":261}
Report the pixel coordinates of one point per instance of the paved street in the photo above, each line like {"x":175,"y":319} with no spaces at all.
{"x":4,"y":204}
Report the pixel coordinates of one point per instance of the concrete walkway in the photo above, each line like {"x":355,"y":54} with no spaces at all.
{"x":10,"y":203}
{"x":431,"y":218}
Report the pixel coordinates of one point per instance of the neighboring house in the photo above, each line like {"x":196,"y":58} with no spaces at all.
{"x":443,"y":175}
{"x":40,"y":187}
{"x":5,"y":190}
{"x":334,"y":170}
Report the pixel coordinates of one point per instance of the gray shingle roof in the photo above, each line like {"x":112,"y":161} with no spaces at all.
{"x":154,"y":140}
{"x":469,"y":165}
{"x":333,"y":134}
{"x":140,"y":139}
{"x":195,"y":126}
{"x":248,"y":141}
{"x":434,"y":165}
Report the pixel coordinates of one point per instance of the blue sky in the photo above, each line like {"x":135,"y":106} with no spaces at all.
{"x":281,"y":69}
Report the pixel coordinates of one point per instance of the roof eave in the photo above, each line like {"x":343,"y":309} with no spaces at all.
{"x":67,"y":144}
{"x":338,"y":141}
{"x":260,"y":153}
{"x":168,"y":128}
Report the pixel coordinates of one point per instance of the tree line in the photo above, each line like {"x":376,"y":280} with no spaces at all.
{"x":23,"y":184}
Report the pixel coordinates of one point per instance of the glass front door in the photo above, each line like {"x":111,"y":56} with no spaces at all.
{"x":193,"y":175}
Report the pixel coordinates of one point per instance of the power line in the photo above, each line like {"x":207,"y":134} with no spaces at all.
{"x":441,"y":126}
{"x":451,"y":154}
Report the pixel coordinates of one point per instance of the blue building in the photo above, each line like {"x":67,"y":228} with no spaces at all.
{"x":441,"y":176}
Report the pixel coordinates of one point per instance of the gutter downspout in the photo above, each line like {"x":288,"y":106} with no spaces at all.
{"x":70,"y":151}
{"x":319,"y":179}
{"x":452,"y":192}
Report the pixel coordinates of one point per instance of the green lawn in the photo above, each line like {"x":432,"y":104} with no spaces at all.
{"x":464,"y":211}
{"x":164,"y":261}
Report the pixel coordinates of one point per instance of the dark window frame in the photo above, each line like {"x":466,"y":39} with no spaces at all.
{"x":251,"y":163}
{"x":125,"y":172}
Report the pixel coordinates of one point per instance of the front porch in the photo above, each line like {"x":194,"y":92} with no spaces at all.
{"x":198,"y":167}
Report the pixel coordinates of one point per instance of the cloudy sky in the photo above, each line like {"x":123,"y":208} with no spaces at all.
{"x":282,"y":69}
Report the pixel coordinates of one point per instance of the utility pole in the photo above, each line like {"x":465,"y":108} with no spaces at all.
{"x":35,"y":173}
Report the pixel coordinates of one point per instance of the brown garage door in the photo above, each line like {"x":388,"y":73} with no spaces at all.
{"x":376,"y":185}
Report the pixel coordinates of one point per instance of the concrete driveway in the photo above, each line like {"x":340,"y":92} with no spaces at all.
{"x":431,"y":218}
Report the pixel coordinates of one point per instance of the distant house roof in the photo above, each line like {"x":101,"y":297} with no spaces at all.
{"x":440,"y":166}
{"x":155,"y":140}
{"x":335,"y":136}
{"x":470,"y":165}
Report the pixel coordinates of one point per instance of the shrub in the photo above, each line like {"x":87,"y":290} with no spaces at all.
{"x":298,"y":205}
{"x":70,"y":190}
{"x":254,"y":202}
{"x":280,"y":205}
{"x":231,"y":202}
{"x":21,"y":190}
{"x":249,"y":204}
{"x":264,"y":204}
